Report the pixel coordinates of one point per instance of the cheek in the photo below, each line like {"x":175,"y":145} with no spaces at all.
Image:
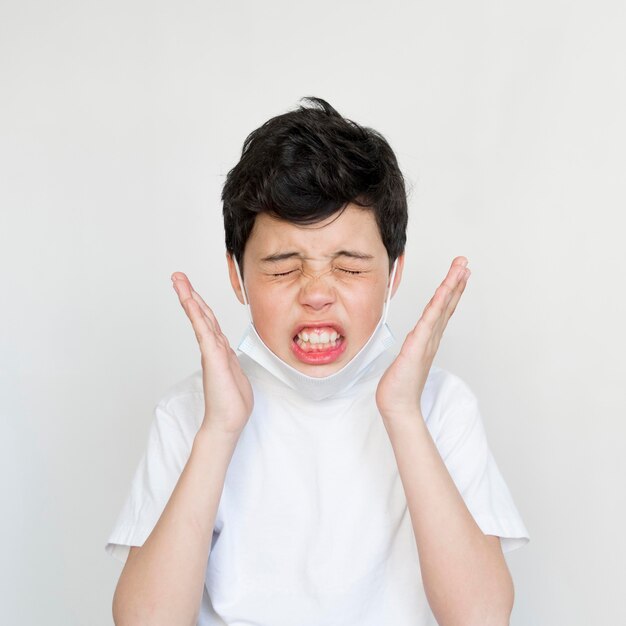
{"x":366,"y":304}
{"x":267,"y":306}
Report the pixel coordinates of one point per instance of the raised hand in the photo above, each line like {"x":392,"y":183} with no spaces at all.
{"x":228,"y":397}
{"x":400,"y":388}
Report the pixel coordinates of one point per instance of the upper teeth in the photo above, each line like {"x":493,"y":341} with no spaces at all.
{"x":323,"y":337}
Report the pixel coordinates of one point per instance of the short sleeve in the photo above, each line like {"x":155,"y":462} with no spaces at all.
{"x":459,"y":434}
{"x":169,"y":445}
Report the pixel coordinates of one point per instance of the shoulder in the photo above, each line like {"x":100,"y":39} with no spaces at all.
{"x":183,"y":403}
{"x":446,"y":394}
{"x":442,"y":384}
{"x":191,"y":385}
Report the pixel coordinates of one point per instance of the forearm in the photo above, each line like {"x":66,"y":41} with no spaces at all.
{"x":466,"y":583}
{"x":163,"y":583}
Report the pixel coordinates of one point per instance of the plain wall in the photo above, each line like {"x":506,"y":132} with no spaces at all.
{"x":118,"y":123}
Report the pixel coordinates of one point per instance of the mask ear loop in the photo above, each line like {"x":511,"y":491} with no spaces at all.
{"x":389,"y":290}
{"x":243,"y":291}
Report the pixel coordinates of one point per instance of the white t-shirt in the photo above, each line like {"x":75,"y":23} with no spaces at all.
{"x":313,"y":527}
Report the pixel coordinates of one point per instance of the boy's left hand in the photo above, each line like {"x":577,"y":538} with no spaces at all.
{"x":400,"y":389}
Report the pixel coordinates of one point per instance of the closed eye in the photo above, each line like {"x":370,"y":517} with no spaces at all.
{"x":341,"y":269}
{"x":284,"y":273}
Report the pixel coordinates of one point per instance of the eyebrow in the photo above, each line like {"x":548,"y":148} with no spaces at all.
{"x":352,"y":254}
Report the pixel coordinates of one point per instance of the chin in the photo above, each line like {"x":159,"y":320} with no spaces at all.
{"x":318,"y":371}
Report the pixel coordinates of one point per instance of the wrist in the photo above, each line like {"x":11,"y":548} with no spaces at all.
{"x":209,"y":432}
{"x":404,"y":422}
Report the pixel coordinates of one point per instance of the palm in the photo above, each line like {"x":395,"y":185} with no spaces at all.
{"x":228,"y":395}
{"x":399,"y":391}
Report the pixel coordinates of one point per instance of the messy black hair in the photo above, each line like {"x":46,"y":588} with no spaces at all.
{"x":305,"y":165}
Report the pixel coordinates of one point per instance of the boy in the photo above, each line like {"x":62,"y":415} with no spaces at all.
{"x":317,"y":477}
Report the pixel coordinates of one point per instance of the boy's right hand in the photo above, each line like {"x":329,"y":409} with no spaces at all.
{"x":228,"y":397}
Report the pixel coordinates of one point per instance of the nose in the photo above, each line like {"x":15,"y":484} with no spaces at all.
{"x":317,"y":292}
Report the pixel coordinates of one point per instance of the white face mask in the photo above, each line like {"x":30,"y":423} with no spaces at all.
{"x":325,"y":386}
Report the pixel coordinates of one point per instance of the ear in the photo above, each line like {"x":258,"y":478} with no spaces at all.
{"x":398,"y":276}
{"x":234,"y":279}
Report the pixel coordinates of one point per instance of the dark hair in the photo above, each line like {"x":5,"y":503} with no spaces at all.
{"x":305,"y":165}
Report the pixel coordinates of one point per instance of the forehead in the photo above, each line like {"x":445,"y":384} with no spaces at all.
{"x":354,"y":228}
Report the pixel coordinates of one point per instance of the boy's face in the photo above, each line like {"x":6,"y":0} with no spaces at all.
{"x":316,"y":292}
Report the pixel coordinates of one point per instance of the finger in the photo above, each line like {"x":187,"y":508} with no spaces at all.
{"x":204,"y":333}
{"x":435,"y":309}
{"x":456,"y":295}
{"x":453,"y":285}
{"x":206,"y":309}
{"x":437,"y":312}
{"x":456,"y":282}
{"x":455,"y":272}
{"x":429,"y":328}
{"x":221,"y":337}
{"x":185,"y":292}
{"x":185,"y":295}
{"x":451,"y":279}
{"x":181,"y":283}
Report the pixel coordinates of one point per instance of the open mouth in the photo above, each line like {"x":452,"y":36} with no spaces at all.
{"x":318,"y":344}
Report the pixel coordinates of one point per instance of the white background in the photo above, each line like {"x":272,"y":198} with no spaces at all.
{"x":118,"y":123}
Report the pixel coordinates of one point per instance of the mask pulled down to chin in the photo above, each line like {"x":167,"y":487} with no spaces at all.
{"x":318,"y":388}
